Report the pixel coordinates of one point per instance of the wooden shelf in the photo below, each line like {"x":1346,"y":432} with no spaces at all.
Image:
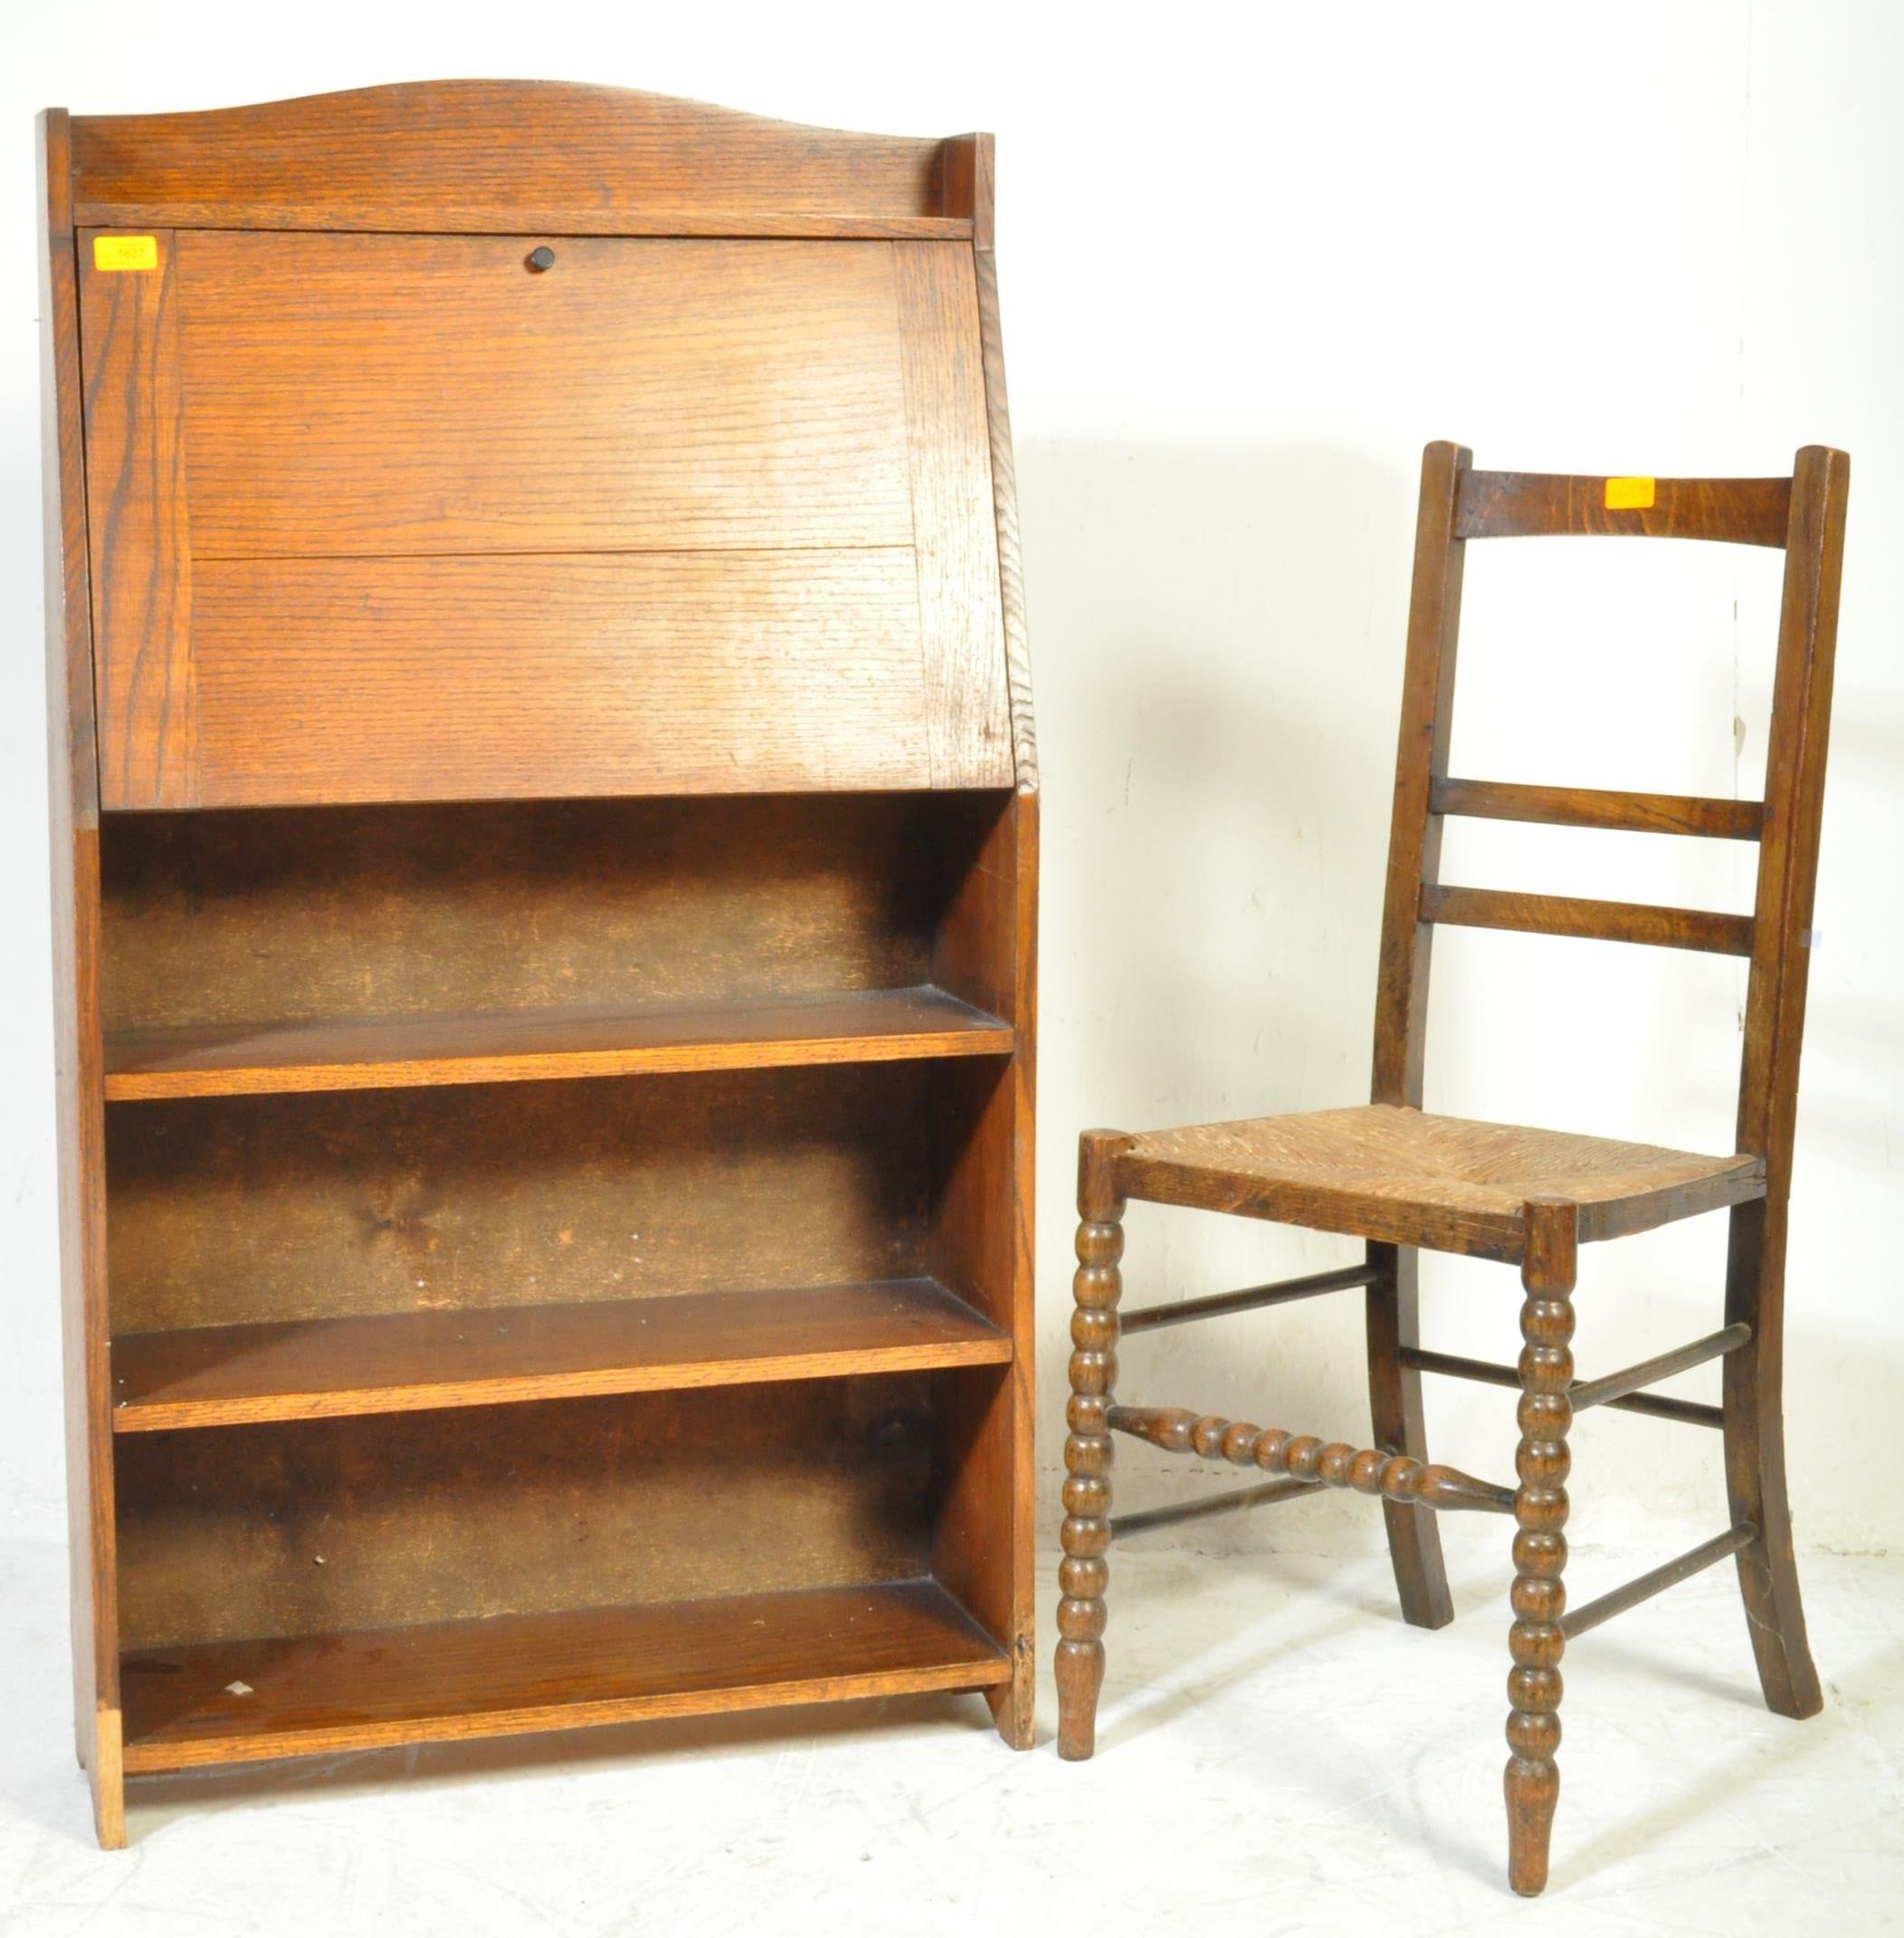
{"x":863,"y":1026}
{"x":411,"y":1362}
{"x":508,"y":1675}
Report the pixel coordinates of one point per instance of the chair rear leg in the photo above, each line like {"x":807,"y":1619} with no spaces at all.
{"x":1394,"y":1403}
{"x":1755,"y":1461}
{"x":1532,"y":1780}
{"x":1085,"y":1573}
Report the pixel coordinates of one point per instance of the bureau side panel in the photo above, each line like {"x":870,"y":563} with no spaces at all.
{"x":72,"y":800}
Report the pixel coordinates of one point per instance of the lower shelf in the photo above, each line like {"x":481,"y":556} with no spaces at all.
{"x":511,"y":1675}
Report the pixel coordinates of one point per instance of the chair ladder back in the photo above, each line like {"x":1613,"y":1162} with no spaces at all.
{"x":1803,"y":514}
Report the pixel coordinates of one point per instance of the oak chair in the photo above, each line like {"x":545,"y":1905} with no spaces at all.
{"x":1401,"y":1179}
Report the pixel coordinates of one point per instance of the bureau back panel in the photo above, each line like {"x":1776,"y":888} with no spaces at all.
{"x":384,"y":517}
{"x":335,"y":1524}
{"x":234,"y":1211}
{"x":271,"y":917}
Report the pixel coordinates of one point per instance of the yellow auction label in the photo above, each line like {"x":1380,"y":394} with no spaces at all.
{"x":1629,"y":494}
{"x":125,"y":252}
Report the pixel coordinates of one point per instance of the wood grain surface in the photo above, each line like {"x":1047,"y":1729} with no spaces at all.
{"x":1568,"y":915}
{"x":439,"y":1682}
{"x":422,"y":217}
{"x":328,"y":915}
{"x":968,"y":712}
{"x":233,"y":1210}
{"x":1523,"y":504}
{"x":1753,"y":1386}
{"x":432,"y":154}
{"x":1596,"y":807}
{"x":766,"y":1032}
{"x":78,"y":1104}
{"x":977,"y":151}
{"x":233,"y":1375}
{"x":139,"y":531}
{"x":314,"y":1526}
{"x":983,"y":1245}
{"x":1415,"y":836}
{"x":392,"y":396}
{"x":727,"y":672}
{"x":690,"y":515}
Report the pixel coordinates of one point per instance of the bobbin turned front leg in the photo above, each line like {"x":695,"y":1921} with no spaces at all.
{"x":1539,"y":1596}
{"x":1085,"y":1571}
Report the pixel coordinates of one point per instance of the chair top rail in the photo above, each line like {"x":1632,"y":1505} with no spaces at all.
{"x":1539,"y":504}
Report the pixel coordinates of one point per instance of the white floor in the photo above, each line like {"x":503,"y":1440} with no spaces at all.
{"x":1277,"y":1754}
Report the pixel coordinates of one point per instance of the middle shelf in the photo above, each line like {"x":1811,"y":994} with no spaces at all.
{"x":859,"y":1026}
{"x":411,"y":1362}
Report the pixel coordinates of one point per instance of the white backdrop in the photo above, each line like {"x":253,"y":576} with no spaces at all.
{"x":1251,"y":261}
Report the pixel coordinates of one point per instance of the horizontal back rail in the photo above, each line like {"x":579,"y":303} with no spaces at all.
{"x":1591,"y":807}
{"x":1561,"y":915}
{"x":1538,"y":504}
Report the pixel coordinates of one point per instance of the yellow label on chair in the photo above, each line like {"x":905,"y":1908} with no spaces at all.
{"x":125,"y":252}
{"x":1629,"y":494}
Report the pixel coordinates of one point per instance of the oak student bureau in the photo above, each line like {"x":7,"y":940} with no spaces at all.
{"x":545,"y":863}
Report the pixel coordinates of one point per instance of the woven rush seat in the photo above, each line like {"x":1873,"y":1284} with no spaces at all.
{"x":1408,"y":1177}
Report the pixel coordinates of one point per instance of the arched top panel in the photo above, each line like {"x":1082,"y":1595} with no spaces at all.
{"x":487,"y":155}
